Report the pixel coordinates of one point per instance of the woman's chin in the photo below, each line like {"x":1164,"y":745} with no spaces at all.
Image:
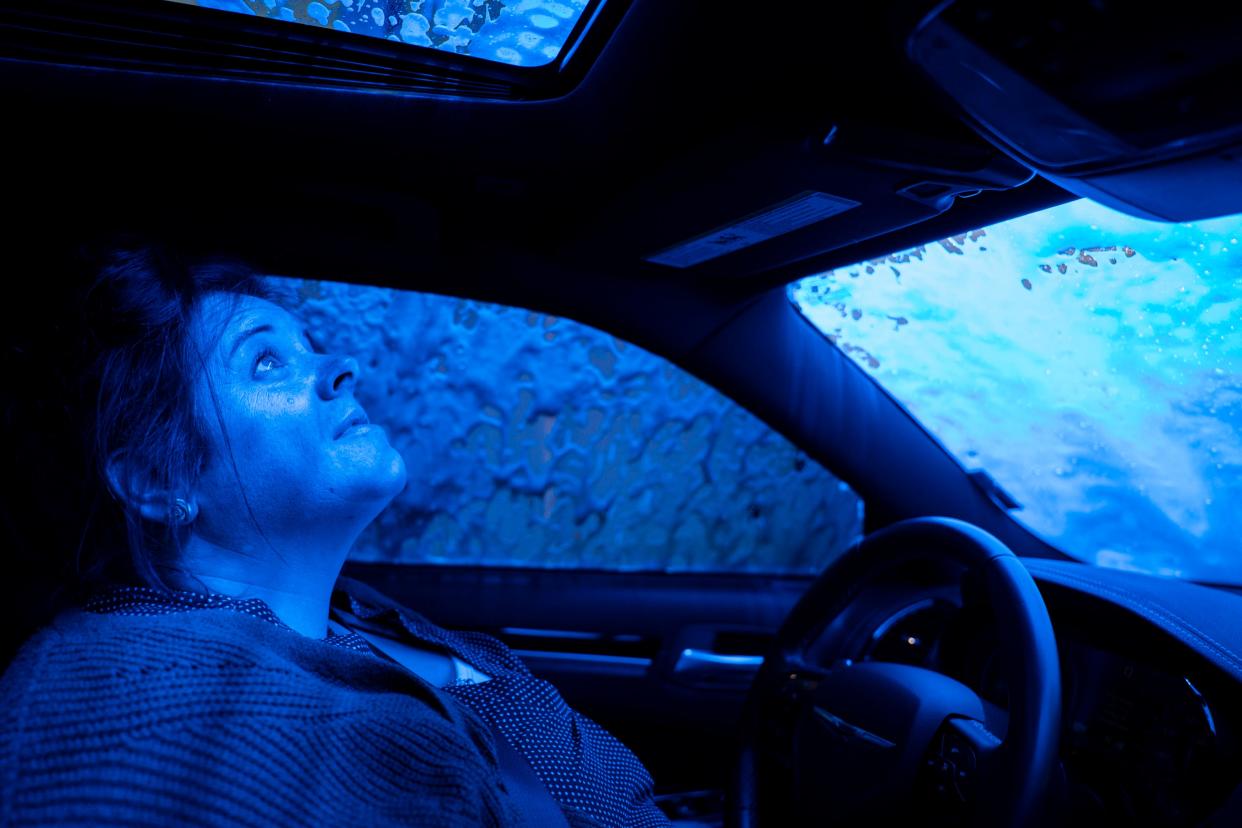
{"x":386,"y":480}
{"x":390,"y":477}
{"x":374,"y":468}
{"x":371,"y":486}
{"x":397,"y":476}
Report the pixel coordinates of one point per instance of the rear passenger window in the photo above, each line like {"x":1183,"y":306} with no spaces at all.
{"x":535,"y":441}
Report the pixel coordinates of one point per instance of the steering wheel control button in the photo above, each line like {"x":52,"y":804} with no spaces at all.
{"x":938,"y":781}
{"x":974,"y":733}
{"x":952,"y":765}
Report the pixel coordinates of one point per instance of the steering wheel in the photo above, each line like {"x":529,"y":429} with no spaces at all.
{"x":874,"y":741}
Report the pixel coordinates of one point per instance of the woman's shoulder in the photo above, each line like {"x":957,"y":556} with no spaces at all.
{"x":108,"y":679}
{"x":80,"y":637}
{"x":93,"y":696}
{"x":84,"y":655}
{"x":75,"y":640}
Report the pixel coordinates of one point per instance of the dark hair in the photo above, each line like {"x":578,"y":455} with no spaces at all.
{"x":138,"y":313}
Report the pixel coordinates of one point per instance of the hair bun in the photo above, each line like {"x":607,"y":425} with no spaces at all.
{"x":138,"y":287}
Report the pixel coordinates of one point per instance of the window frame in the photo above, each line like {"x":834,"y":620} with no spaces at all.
{"x":162,"y":37}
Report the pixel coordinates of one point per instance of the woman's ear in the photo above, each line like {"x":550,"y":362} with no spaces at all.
{"x":134,"y":487}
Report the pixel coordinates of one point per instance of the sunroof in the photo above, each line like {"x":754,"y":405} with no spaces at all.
{"x":517,"y":32}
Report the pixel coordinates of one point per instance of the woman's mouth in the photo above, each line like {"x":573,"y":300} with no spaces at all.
{"x":361,"y":428}
{"x":355,"y":423}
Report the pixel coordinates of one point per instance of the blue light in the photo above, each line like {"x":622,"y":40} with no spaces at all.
{"x":519,"y":32}
{"x":1203,"y":705}
{"x":1091,"y":362}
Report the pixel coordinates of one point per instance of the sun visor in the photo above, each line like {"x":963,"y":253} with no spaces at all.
{"x":1131,"y":105}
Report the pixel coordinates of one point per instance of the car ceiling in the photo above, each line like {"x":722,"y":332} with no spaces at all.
{"x":689,"y":117}
{"x":685,"y":121}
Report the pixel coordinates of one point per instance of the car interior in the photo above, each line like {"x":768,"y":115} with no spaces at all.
{"x":663,"y":176}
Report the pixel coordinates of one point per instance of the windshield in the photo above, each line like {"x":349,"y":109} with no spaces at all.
{"x":1091,"y":362}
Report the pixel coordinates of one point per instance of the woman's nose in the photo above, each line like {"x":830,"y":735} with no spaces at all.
{"x":338,"y":376}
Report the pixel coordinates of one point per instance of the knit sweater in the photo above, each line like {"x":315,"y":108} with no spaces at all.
{"x":594,"y":778}
{"x":219,"y":718}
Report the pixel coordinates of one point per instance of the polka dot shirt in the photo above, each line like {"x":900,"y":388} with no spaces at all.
{"x":589,"y":773}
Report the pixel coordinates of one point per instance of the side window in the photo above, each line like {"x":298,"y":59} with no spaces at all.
{"x":536,"y":441}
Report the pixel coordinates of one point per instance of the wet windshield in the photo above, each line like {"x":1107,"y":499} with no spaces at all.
{"x":1091,"y":362}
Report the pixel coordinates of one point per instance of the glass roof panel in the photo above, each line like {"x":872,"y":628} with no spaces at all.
{"x":517,"y":32}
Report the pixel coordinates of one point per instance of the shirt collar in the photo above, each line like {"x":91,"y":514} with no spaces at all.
{"x":145,"y":600}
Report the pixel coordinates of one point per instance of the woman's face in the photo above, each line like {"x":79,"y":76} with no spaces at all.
{"x":290,"y":445}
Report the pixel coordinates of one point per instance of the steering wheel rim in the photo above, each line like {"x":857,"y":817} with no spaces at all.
{"x":1012,"y":771}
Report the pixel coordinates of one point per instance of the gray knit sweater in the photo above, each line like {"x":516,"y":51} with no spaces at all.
{"x":218,"y":718}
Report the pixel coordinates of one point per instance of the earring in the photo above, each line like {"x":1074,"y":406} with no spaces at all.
{"x":179,"y":512}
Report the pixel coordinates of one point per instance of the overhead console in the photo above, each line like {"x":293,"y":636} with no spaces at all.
{"x":1133,"y":105}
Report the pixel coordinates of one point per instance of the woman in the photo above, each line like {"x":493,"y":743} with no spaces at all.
{"x":225,"y":673}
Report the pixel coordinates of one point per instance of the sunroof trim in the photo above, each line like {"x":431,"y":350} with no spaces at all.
{"x":526,"y":34}
{"x":209,"y":43}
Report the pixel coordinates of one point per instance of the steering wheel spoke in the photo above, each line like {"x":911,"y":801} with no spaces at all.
{"x":959,"y":761}
{"x":870,"y":741}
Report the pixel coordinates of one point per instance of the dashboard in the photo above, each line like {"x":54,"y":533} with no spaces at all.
{"x":1150,"y":724}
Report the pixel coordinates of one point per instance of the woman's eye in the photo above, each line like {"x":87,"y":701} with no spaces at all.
{"x":266,"y":361}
